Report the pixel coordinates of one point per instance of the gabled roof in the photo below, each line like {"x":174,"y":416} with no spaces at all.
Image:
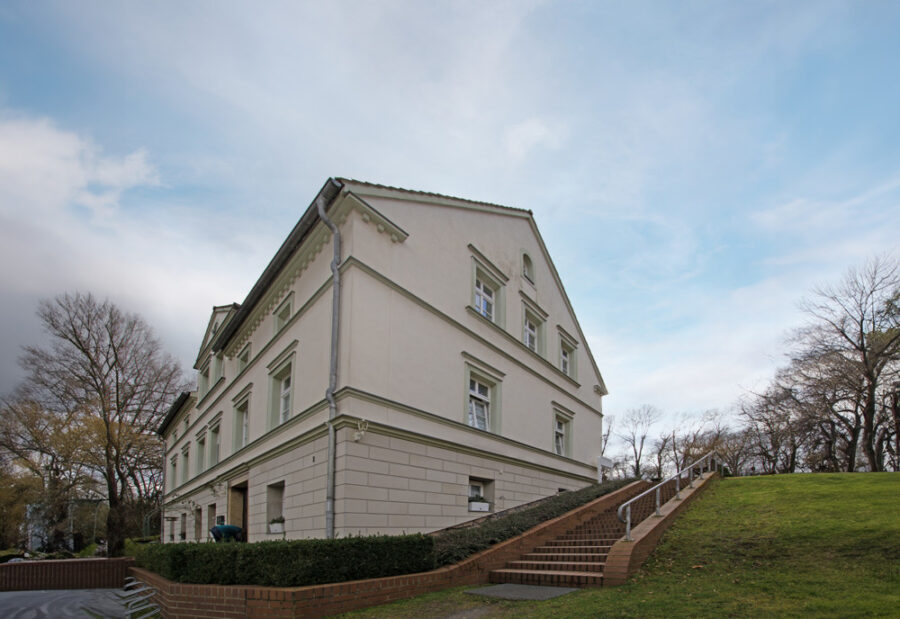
{"x":414,"y":192}
{"x":176,"y":408}
{"x":219,"y":317}
{"x":309,"y":219}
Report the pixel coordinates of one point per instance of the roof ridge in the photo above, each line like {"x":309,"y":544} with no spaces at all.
{"x":433,"y":194}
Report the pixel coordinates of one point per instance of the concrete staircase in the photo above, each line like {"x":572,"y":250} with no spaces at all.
{"x":577,"y":557}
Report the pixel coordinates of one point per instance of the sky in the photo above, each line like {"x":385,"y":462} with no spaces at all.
{"x":695,"y":168}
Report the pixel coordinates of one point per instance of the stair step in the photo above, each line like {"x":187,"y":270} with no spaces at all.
{"x":582,"y":542}
{"x":556,"y":566}
{"x":566,"y":557}
{"x":599,"y":549}
{"x":547,"y":578}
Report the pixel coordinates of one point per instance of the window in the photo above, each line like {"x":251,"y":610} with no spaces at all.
{"x":283,"y":313}
{"x":281,"y":394}
{"x":198,"y":523}
{"x":481,"y":494}
{"x":173,"y":472}
{"x":183,"y":534}
{"x":476,"y":490}
{"x":203,"y":381}
{"x":244,"y":358}
{"x":482,"y":394}
{"x":527,"y":268}
{"x":242,"y":424}
{"x":487,"y":288}
{"x":559,"y":437}
{"x":533,"y":318}
{"x":214,"y":444}
{"x":484,"y":299}
{"x":479,"y":404}
{"x":275,"y":501}
{"x":201,"y":454}
{"x":530,"y":332}
{"x":567,"y":346}
{"x":562,"y":434}
{"x":217,"y":370}
{"x":185,"y":460}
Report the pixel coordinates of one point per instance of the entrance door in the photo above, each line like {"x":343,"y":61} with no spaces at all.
{"x":237,"y":507}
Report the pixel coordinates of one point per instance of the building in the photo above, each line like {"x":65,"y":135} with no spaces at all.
{"x":403,"y":353}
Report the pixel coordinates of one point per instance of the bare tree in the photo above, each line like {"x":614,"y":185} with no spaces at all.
{"x":106,"y":372}
{"x":858,"y":320}
{"x":636,"y":424}
{"x":660,"y":454}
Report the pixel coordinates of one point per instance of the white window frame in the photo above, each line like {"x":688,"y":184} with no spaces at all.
{"x":173,"y":470}
{"x":528,"y":268}
{"x":562,"y":428}
{"x":185,"y":463}
{"x":490,"y":377}
{"x":281,"y":368}
{"x":200,"y":459}
{"x":478,"y":399}
{"x":569,"y":345}
{"x":485,"y":297}
{"x":486,"y":276}
{"x":243,"y":358}
{"x":242,"y":423}
{"x":283,"y":313}
{"x":215,"y":443}
{"x":530,"y":328}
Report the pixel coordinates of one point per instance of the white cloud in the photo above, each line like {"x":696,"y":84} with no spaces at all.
{"x":527,"y":135}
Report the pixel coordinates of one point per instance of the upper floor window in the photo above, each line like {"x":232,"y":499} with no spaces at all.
{"x":567,"y":354}
{"x":214,"y":444}
{"x":201,"y":454}
{"x":484,"y":299}
{"x":203,"y":380}
{"x":244,"y":358}
{"x":283,"y":313}
{"x":479,"y":404}
{"x":527,"y":268}
{"x":242,"y":424}
{"x":185,"y":460}
{"x":559,"y":436}
{"x":487,"y":288}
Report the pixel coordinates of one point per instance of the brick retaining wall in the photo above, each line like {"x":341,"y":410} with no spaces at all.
{"x":214,"y":601}
{"x":65,"y":574}
{"x":625,"y":558}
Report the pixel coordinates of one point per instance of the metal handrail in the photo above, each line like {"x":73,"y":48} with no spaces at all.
{"x":626,"y":506}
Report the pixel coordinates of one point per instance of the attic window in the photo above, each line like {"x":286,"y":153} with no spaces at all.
{"x":527,"y":268}
{"x":283,"y":313}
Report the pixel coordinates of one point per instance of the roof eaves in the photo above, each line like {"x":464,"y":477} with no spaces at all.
{"x":430,"y":194}
{"x":176,"y":407}
{"x":310,"y":216}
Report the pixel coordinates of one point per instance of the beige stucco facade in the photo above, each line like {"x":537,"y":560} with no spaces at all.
{"x":461,"y":369}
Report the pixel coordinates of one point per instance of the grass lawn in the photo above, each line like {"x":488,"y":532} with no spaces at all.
{"x":788,"y":545}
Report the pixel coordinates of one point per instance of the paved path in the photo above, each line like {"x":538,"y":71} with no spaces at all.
{"x":60,"y":603}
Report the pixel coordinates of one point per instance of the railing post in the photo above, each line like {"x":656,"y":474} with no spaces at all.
{"x":678,"y":485}
{"x":628,"y":523}
{"x":691,"y":477}
{"x":657,"y":501}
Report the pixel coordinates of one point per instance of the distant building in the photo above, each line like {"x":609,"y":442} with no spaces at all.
{"x":460,"y":373}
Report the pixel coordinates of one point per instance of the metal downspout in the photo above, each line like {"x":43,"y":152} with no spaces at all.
{"x":333,"y":369}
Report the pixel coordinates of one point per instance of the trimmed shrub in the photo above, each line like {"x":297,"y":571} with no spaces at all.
{"x":454,"y":545}
{"x":293,"y":563}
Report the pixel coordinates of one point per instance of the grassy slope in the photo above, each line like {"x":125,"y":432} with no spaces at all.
{"x":790,"y":545}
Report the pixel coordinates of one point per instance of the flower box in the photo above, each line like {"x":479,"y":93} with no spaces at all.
{"x":479,"y":506}
{"x":276,"y":527}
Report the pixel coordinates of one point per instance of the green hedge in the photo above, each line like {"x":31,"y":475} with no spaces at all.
{"x":289,"y":563}
{"x":454,"y":545}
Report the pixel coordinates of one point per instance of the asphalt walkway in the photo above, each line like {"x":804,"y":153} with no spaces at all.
{"x":60,"y":603}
